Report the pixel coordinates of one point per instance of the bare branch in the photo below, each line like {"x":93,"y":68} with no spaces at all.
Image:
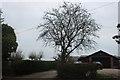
{"x":69,"y":26}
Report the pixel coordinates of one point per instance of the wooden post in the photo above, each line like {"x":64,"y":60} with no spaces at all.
{"x":111,"y":62}
{"x":90,"y":59}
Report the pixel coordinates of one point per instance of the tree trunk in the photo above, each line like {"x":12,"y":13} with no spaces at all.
{"x":63,"y":59}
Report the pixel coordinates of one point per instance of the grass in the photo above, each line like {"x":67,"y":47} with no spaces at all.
{"x":98,"y":77}
{"x":105,"y":77}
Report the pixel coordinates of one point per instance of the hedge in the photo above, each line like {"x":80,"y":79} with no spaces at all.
{"x":23,"y":67}
{"x":76,"y":70}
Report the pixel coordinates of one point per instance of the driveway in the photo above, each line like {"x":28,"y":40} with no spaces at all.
{"x":52,"y":73}
{"x":112,"y":72}
{"x":46,"y":74}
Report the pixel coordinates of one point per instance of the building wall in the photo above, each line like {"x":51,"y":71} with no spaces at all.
{"x":115,"y":63}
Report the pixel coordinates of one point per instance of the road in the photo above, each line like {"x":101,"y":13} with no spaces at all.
{"x":52,"y":73}
{"x":112,"y":72}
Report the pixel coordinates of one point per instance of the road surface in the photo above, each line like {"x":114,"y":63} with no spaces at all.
{"x":46,"y":74}
{"x":52,"y":74}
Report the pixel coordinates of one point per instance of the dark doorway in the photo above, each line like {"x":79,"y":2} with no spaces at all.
{"x":104,"y":60}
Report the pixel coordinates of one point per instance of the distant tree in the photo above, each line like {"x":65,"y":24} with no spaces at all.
{"x":9,"y":43}
{"x":32,"y":56}
{"x":1,"y":19}
{"x":70,"y":28}
{"x":17,"y":55}
{"x":57,"y":58}
{"x":40,"y":55}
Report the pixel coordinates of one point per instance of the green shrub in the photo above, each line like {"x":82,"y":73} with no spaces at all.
{"x":7,"y":70}
{"x":76,"y":70}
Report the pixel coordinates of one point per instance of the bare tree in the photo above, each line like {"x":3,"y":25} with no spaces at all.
{"x":32,"y":56}
{"x":70,"y":28}
{"x":40,"y":55}
{"x":57,"y":58}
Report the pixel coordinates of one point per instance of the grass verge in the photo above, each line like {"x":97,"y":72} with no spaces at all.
{"x":104,"y":77}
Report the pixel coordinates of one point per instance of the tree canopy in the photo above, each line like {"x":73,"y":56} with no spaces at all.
{"x":9,"y":43}
{"x":70,"y":28}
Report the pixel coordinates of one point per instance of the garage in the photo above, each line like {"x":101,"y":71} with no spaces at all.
{"x":104,"y":60}
{"x":108,"y":60}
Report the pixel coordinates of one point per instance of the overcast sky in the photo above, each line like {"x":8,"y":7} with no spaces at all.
{"x":23,"y":16}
